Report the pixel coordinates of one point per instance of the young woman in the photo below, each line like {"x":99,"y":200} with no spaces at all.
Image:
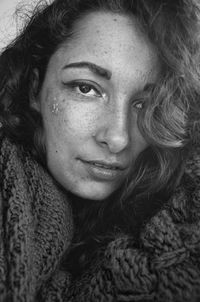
{"x":99,"y":156}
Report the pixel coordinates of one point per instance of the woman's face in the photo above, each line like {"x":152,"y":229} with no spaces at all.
{"x":91,"y":96}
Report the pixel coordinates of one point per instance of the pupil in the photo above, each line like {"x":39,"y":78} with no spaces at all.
{"x":84,"y":88}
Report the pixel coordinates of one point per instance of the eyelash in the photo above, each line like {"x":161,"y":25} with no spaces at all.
{"x":76,"y":85}
{"x":139,"y":103}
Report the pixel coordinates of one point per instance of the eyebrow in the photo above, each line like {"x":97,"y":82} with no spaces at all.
{"x":149,"y":87}
{"x":98,"y":70}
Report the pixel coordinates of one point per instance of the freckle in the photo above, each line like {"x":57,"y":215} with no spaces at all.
{"x":54,"y":108}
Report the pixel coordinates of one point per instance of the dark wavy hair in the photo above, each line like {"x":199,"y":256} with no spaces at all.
{"x":165,"y":121}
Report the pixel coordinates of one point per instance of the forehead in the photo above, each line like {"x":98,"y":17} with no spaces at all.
{"x":111,"y":40}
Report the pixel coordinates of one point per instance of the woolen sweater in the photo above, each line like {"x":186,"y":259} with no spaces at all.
{"x":36,"y":226}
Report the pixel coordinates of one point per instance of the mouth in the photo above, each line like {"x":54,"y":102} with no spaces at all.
{"x":101,"y":170}
{"x":109,"y":166}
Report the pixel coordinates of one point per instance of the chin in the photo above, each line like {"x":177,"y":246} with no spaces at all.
{"x":94,"y":196}
{"x":91,"y":190}
{"x":92,"y":193}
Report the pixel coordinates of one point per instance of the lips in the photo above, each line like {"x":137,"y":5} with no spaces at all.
{"x":106,"y":165}
{"x":104,"y":171}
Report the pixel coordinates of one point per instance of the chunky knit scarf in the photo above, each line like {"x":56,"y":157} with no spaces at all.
{"x":36,"y":229}
{"x":35,"y":225}
{"x":166,"y":267}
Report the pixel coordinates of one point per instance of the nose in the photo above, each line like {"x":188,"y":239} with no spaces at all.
{"x":114,"y":130}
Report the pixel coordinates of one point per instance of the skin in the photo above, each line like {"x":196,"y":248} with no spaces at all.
{"x":89,"y":117}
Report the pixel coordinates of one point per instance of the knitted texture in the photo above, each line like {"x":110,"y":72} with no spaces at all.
{"x":166,"y":267}
{"x":36,"y":229}
{"x":35,"y":225}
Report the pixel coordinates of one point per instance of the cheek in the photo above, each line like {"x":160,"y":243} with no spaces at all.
{"x":139,"y":145}
{"x":77,"y":120}
{"x":67,"y":119}
{"x":138,"y":142}
{"x":142,"y":145}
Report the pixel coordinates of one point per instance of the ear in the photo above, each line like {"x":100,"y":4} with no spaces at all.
{"x":34,"y":91}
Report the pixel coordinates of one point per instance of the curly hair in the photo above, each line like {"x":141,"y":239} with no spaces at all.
{"x":165,"y":121}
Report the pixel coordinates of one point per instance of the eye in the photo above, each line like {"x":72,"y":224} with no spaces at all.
{"x":138,"y":104}
{"x":88,"y":89}
{"x":84,"y":88}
